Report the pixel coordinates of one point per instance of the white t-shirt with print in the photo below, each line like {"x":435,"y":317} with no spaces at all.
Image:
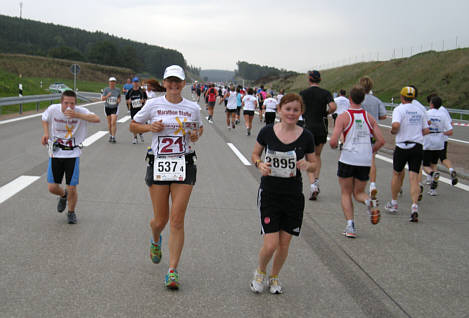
{"x":66,"y":131}
{"x":279,"y":98}
{"x":439,"y":124}
{"x":248,"y":101}
{"x":450,"y":120}
{"x":174,"y":138}
{"x":412,"y":120}
{"x":232,"y":103}
{"x":342,"y":104}
{"x":270,"y":105}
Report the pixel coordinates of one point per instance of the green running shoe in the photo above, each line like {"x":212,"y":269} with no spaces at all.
{"x":155,"y":251}
{"x":172,"y":279}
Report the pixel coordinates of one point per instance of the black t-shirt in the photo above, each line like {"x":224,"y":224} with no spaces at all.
{"x":138,"y":94}
{"x":303,"y":145}
{"x":316,"y":100}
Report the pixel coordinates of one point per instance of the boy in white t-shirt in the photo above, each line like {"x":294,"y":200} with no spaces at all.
{"x":64,"y":127}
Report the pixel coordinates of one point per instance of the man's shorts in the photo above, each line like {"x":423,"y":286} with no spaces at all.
{"x":431,"y":157}
{"x":60,"y":166}
{"x":270,"y":117}
{"x":443,"y":152}
{"x":280,"y":212}
{"x":228,"y":110}
{"x":248,"y":112}
{"x":412,"y":156}
{"x":191,"y":173}
{"x":361,"y":173}
{"x":320,"y":139}
{"x":134,"y":111}
{"x":110,"y":111}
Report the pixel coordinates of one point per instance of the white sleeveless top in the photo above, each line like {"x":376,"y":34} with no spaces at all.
{"x":232,"y":102}
{"x":357,"y":149}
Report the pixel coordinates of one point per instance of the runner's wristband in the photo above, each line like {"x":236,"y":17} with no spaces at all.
{"x":257,"y":163}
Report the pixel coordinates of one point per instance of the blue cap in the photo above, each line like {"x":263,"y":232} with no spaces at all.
{"x":136,"y":79}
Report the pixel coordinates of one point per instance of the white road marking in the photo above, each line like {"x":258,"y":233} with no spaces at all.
{"x":91,"y":139}
{"x":36,"y":115}
{"x":124,"y":119}
{"x":452,"y":139}
{"x":239,"y":154}
{"x":15,"y":186}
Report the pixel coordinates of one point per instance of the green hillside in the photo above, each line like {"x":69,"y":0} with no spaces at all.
{"x":446,"y":73}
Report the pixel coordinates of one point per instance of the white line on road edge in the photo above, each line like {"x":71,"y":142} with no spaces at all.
{"x":124,"y":119}
{"x":91,"y":139}
{"x":452,"y":139}
{"x":239,"y":154}
{"x":15,"y":186}
{"x":37,"y":115}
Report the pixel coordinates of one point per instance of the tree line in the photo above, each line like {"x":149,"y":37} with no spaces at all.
{"x":255,"y":72}
{"x":47,"y":39}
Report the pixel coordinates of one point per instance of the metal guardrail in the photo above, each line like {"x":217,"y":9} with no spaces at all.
{"x":7,"y":101}
{"x":455,"y":111}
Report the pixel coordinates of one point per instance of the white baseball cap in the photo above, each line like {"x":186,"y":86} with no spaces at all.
{"x":112,"y":79}
{"x":174,"y":70}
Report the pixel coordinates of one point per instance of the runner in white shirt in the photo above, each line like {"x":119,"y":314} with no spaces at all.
{"x":231,"y":107}
{"x":64,"y":128}
{"x":409,"y":125}
{"x":356,"y":156}
{"x":343,"y":104}
{"x":270,"y":104}
{"x":154,"y":89}
{"x":280,"y":95}
{"x":434,"y":142}
{"x":249,"y":106}
{"x":171,"y":172}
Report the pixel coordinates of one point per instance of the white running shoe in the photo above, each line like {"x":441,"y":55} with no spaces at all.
{"x":432,"y":192}
{"x":274,"y":285}
{"x":228,"y":127}
{"x":258,"y":282}
{"x":350,"y":231}
{"x":134,"y":141}
{"x":210,"y":121}
{"x":391,"y":208}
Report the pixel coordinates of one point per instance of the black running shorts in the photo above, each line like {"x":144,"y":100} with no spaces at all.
{"x":280,"y":212}
{"x":269,"y":117}
{"x":443,"y":152}
{"x":110,"y":111}
{"x":431,"y":157}
{"x":58,"y":167}
{"x":134,"y":111}
{"x":228,"y":110}
{"x":412,"y":156}
{"x":248,"y":112}
{"x":349,"y":171}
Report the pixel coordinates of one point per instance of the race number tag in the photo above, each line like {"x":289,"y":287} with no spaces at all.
{"x":191,"y":125}
{"x":282,"y":164}
{"x":136,"y":103}
{"x":112,"y":100}
{"x":171,"y":145}
{"x":170,"y":168}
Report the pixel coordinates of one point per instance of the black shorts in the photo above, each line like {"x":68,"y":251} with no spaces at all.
{"x":198,"y":92}
{"x":443,"y":152}
{"x":349,"y":171}
{"x":110,"y":111}
{"x":269,"y":117}
{"x":412,"y":156}
{"x":226,"y":102}
{"x":191,"y":173}
{"x":211,"y":104}
{"x":238,"y":110}
{"x":280,"y":212}
{"x":134,"y":111}
{"x":60,"y":166}
{"x":231,"y":111}
{"x":320,"y":139}
{"x":431,"y":157}
{"x":248,"y":112}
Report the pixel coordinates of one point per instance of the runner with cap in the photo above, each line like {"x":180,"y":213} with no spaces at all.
{"x":64,"y":127}
{"x":318,"y":104}
{"x":409,"y":124}
{"x":288,"y":149}
{"x":171,"y":171}
{"x":357,"y":126}
{"x":135,"y":98}
{"x":111,"y":97}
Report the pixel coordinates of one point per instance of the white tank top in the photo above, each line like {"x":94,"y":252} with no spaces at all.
{"x":357,"y":149}
{"x":232,"y":102}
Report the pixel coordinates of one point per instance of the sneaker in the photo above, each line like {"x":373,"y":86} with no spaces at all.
{"x":432,"y":192}
{"x":155,"y":251}
{"x":454,"y":178}
{"x":228,"y":127}
{"x":391,"y":208}
{"x":274,"y":285}
{"x":421,"y":192}
{"x":314,"y":192}
{"x":373,"y":192}
{"x":249,"y":132}
{"x":208,"y":117}
{"x":62,"y":204}
{"x":171,"y":280}
{"x":113,"y":140}
{"x":237,"y":122}
{"x":436,"y":176}
{"x":373,"y":211}
{"x":141,"y":138}
{"x":210,"y":121}
{"x":134,"y":141}
{"x":72,"y":218}
{"x":258,"y":282}
{"x":350,"y":231}
{"x":414,"y":215}
{"x":110,"y":139}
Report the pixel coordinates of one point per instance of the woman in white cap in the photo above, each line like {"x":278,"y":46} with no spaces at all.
{"x":171,"y":171}
{"x":111,"y":97}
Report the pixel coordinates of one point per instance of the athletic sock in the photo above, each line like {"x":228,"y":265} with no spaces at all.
{"x":393,"y":202}
{"x":367,"y":202}
{"x":349,"y":222}
{"x":451,"y":170}
{"x":372,"y":185}
{"x":415,"y":206}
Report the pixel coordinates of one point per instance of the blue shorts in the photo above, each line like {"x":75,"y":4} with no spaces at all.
{"x":60,"y":166}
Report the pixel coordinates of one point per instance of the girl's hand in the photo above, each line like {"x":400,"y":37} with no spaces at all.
{"x":157,"y":126}
{"x":264,"y":168}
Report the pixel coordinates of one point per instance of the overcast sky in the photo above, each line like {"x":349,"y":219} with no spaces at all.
{"x":293,"y":34}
